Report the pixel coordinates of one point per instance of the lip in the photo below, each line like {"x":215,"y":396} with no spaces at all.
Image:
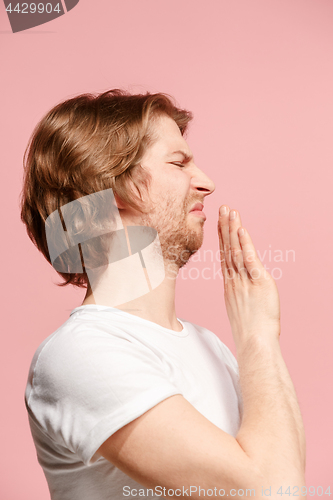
{"x":197,"y":206}
{"x":198,"y":213}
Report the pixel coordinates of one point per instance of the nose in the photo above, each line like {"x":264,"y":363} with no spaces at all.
{"x":201,"y":182}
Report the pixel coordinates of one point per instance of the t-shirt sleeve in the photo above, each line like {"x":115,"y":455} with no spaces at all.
{"x":88,"y":385}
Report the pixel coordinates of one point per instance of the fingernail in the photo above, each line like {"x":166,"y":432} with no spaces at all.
{"x":223,"y":210}
{"x":232,"y":214}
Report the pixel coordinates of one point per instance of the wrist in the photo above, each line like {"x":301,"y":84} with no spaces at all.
{"x":267,"y":340}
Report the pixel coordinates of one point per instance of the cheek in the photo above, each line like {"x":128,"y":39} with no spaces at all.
{"x":170,"y":191}
{"x":176,"y":181}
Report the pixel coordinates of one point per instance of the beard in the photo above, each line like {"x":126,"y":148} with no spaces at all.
{"x":180,"y":234}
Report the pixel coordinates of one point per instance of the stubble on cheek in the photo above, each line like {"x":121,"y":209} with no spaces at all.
{"x":179,"y":236}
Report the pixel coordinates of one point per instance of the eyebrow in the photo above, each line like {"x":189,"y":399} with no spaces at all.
{"x":187,"y":157}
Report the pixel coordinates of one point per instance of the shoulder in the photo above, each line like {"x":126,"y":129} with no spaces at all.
{"x":86,"y":351}
{"x":73,"y":352}
{"x":79,"y":335}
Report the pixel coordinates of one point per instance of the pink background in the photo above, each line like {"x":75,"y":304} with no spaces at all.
{"x":258,"y":76}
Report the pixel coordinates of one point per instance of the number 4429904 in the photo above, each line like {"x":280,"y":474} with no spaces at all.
{"x":303,"y":491}
{"x":33,"y":8}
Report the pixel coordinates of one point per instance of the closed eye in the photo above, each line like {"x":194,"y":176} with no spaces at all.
{"x":178,"y":164}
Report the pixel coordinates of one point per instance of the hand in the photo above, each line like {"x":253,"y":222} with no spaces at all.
{"x":250,"y":293}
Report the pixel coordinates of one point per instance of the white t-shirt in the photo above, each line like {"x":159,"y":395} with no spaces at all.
{"x":104,"y":368}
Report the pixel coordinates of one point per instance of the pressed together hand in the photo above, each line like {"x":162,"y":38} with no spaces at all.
{"x":250,"y":293}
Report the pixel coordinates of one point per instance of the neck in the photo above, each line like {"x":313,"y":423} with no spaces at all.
{"x":158,"y":305}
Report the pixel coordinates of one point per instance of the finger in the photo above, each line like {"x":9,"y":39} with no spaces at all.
{"x":236,"y":251}
{"x":224,"y":227}
{"x":222,"y":258}
{"x":250,"y":257}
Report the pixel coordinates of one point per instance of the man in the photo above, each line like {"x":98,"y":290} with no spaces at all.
{"x":126,"y":399}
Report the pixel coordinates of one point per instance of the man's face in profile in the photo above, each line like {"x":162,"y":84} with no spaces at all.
{"x":177,"y":185}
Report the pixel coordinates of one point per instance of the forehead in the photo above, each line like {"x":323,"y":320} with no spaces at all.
{"x":169,"y":138}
